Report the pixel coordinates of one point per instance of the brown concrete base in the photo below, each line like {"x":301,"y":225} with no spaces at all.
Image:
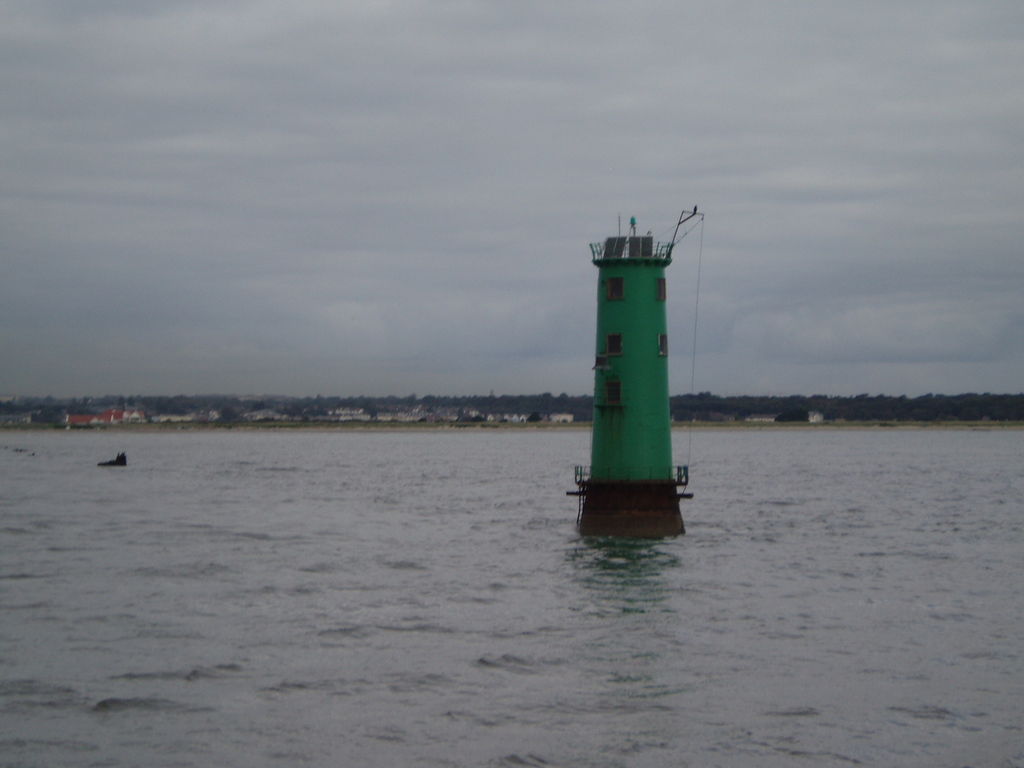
{"x":645,"y":510}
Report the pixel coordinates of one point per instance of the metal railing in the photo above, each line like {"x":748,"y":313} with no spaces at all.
{"x":681,"y":472}
{"x":661,"y":251}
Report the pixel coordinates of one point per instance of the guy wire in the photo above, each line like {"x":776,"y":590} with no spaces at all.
{"x":693,"y":361}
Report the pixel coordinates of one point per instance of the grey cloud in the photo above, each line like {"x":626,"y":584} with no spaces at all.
{"x":398,"y":196}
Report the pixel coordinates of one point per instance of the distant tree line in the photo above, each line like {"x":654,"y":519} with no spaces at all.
{"x":967,"y":407}
{"x":703,"y":407}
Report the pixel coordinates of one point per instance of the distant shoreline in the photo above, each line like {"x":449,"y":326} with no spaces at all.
{"x":395,"y":426}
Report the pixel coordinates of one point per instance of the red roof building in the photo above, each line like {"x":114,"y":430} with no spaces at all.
{"x":109,"y":416}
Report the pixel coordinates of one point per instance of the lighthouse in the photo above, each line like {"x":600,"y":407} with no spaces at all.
{"x":631,"y":487}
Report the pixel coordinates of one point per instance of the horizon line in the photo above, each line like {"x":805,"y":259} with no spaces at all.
{"x":15,"y":397}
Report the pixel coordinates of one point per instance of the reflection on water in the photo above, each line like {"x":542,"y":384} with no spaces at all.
{"x":630,"y":647}
{"x":628,"y":572}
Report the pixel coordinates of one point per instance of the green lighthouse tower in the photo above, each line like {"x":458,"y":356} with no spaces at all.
{"x":631,"y":486}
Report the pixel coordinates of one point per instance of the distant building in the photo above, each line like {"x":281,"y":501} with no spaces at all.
{"x":109,"y":416}
{"x":511,"y":418}
{"x":173,"y":418}
{"x":562,"y":418}
{"x":761,"y":417}
{"x":348,"y":414}
{"x":815,"y":417}
{"x":181,"y":418}
{"x":415,"y":414}
{"x":265,"y":414}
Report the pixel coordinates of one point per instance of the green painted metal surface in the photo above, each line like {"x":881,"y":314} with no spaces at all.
{"x":632,"y":425}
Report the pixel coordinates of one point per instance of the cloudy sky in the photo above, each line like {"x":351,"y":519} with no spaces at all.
{"x":392,"y":197}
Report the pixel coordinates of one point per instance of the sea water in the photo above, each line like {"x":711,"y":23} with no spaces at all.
{"x":421,"y":598}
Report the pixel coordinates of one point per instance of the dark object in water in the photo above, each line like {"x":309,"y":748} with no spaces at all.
{"x":120,"y":461}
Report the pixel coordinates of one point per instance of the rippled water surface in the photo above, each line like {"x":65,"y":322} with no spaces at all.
{"x":421,"y":598}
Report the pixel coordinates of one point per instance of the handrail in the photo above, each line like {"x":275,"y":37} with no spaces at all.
{"x":682,"y":474}
{"x":661,"y":252}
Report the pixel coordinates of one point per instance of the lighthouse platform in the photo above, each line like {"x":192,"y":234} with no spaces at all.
{"x":642,"y":509}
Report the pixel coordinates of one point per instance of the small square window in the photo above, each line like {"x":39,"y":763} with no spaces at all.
{"x":663,"y":345}
{"x":614,"y":288}
{"x":612,"y":392}
{"x":661,"y":289}
{"x":613,"y":344}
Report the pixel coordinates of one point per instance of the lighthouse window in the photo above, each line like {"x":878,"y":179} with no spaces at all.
{"x":661,"y":289}
{"x":612,"y":392}
{"x":614,"y":288}
{"x":613,"y":344}
{"x":663,"y":344}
